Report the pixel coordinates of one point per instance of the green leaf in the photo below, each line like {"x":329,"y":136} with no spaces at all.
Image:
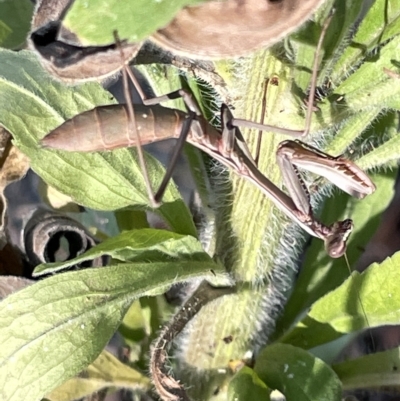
{"x":131,"y":219}
{"x":382,"y":155}
{"x":297,"y":374}
{"x":147,"y":245}
{"x":343,"y":18}
{"x":369,"y":86}
{"x":105,"y":371}
{"x":5,"y":31}
{"x":388,"y":152}
{"x":363,"y":301}
{"x":377,"y":290}
{"x":380,"y":23}
{"x":33,"y":105}
{"x":134,"y":327}
{"x":377,"y":370}
{"x":383,"y":133}
{"x":15,"y":20}
{"x":54,"y":328}
{"x":363,"y":95}
{"x":351,"y":130}
{"x":246,"y":385}
{"x":94,"y":21}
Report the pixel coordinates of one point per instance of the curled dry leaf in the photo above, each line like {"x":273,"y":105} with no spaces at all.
{"x":43,"y":234}
{"x":66,"y":59}
{"x":167,"y":387}
{"x":216,"y":29}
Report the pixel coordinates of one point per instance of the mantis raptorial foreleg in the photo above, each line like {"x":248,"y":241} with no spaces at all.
{"x":291,"y":153}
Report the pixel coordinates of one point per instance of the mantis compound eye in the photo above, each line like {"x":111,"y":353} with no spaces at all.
{"x":335,"y":244}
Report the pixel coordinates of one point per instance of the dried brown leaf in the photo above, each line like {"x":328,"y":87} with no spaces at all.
{"x":67,"y":60}
{"x":216,"y":30}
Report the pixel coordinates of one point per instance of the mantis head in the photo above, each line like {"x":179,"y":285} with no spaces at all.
{"x":335,"y":242}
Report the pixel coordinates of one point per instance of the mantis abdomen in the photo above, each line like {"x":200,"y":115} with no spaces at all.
{"x":107,"y":128}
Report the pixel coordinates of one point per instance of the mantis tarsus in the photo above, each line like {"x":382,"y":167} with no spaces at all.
{"x":156,"y":123}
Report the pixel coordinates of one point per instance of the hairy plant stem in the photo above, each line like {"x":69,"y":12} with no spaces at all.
{"x":249,"y":232}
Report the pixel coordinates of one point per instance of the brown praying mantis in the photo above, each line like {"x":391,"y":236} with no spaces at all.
{"x":110,"y":127}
